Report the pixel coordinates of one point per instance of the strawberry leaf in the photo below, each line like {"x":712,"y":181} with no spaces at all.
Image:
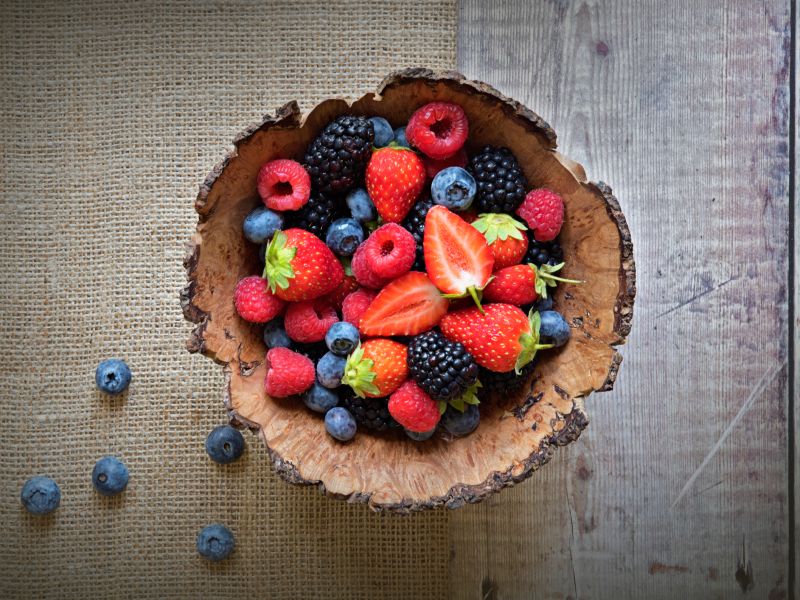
{"x":530,"y":342}
{"x":278,"y":262}
{"x":500,"y":226}
{"x":359,"y":373}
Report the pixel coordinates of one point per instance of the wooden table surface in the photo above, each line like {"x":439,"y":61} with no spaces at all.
{"x":683,"y":484}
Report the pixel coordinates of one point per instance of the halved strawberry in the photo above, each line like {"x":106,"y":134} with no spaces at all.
{"x":409,"y":305}
{"x":457,"y":257}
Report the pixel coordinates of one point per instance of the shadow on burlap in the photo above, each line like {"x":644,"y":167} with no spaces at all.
{"x":112,"y":113}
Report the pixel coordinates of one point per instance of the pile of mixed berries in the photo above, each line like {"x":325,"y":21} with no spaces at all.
{"x":403,"y":279}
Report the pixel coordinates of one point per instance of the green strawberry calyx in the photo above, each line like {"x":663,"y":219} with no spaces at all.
{"x":545,"y":278}
{"x":530,"y":342}
{"x":359,"y":373}
{"x":499,"y":226}
{"x":470,"y":396}
{"x":278,"y":262}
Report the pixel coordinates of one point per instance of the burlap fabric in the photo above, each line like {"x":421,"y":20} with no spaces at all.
{"x":112,"y":113}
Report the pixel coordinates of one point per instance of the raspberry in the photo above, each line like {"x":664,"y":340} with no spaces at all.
{"x":284,"y":184}
{"x":337,"y":296}
{"x":309,"y":321}
{"x":254,"y":302}
{"x":356,"y":304}
{"x":433,"y":166}
{"x":390,"y":251}
{"x":438,"y":129}
{"x":361,"y":271}
{"x":288,"y":373}
{"x":543,"y":210}
{"x":413,"y":408}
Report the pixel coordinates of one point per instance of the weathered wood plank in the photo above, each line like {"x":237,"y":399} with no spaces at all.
{"x":683,"y":108}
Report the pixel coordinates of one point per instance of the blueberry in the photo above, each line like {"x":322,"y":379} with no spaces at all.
{"x":330,"y":370}
{"x":459,"y":423}
{"x":383,"y":131}
{"x":320,"y":399}
{"x":340,"y":424}
{"x":112,"y":376}
{"x":420,"y":436}
{"x":344,"y":236}
{"x":40,"y":495}
{"x":342,"y":338}
{"x":275,"y":335}
{"x":110,"y":476}
{"x":453,"y":188}
{"x":400,"y":137}
{"x":554,"y":328}
{"x":260,"y":224}
{"x":224,"y":444}
{"x":215,"y":542}
{"x":543,"y":304}
{"x":361,"y":206}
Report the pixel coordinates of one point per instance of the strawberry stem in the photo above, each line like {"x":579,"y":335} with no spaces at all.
{"x":476,"y":296}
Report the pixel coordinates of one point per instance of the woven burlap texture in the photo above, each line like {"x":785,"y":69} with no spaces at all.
{"x":112,"y":113}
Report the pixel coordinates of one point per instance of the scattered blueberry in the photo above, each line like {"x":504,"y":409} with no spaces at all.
{"x":340,"y":424}
{"x":110,"y":476}
{"x":420,"y":436}
{"x":400,"y":137}
{"x":275,"y":335}
{"x":453,"y":188}
{"x":215,"y":542}
{"x":40,"y":495}
{"x":361,"y":206}
{"x":224,"y":444}
{"x":383,"y":131}
{"x":342,"y":338}
{"x":320,"y":399}
{"x":543,"y":304}
{"x":330,"y":370}
{"x":459,"y":423}
{"x":554,"y":328}
{"x":112,"y":376}
{"x":260,"y":224}
{"x":344,"y":236}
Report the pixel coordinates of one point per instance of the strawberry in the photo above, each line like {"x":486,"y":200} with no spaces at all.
{"x":543,"y":211}
{"x":522,"y":284}
{"x":457,"y":257}
{"x":413,"y":408}
{"x":407,"y":306}
{"x":504,"y":235}
{"x":344,"y":289}
{"x":299,"y":266}
{"x":501,"y":338}
{"x":395,"y":177}
{"x":376,"y":368}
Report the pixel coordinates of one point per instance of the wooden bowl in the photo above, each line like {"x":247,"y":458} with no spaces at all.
{"x":517,"y":434}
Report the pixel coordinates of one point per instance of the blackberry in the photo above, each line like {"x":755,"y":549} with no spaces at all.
{"x":371,"y":413}
{"x":442,"y":368}
{"x":337,"y":158}
{"x":504,"y":383}
{"x":540,"y":253}
{"x":314,"y":351}
{"x":415,"y":223}
{"x":315,"y":216}
{"x":501,"y":183}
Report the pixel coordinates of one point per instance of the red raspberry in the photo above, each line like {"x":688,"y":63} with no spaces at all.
{"x":413,"y":408}
{"x":284,"y":184}
{"x":309,"y":321}
{"x":363,"y":273}
{"x":433,"y":166}
{"x":356,"y":304}
{"x":288,"y":373}
{"x":438,"y":129}
{"x":254,"y":302}
{"x":543,"y":211}
{"x":337,"y":296}
{"x":390,"y":251}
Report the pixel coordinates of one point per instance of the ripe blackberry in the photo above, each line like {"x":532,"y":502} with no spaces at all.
{"x":372,"y":413}
{"x":540,"y":253}
{"x":415,"y":223}
{"x":501,"y":183}
{"x":315,"y":216}
{"x":504,"y":383}
{"x":442,"y":368}
{"x":336,"y":159}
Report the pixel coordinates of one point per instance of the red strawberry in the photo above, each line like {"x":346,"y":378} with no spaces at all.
{"x":522,"y":284}
{"x":413,"y":408}
{"x":395,"y":177}
{"x":438,"y":129}
{"x":363,"y":274}
{"x":501,"y":338}
{"x":284,"y":184}
{"x":390,"y":251}
{"x":356,"y":304}
{"x":504,"y":235}
{"x":288,"y":373}
{"x":344,"y":289}
{"x":433,"y":166}
{"x":407,"y":306}
{"x":254,"y":302}
{"x":299,"y":266}
{"x":376,"y":368}
{"x":457,"y":257}
{"x":309,"y":321}
{"x":543,"y":211}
